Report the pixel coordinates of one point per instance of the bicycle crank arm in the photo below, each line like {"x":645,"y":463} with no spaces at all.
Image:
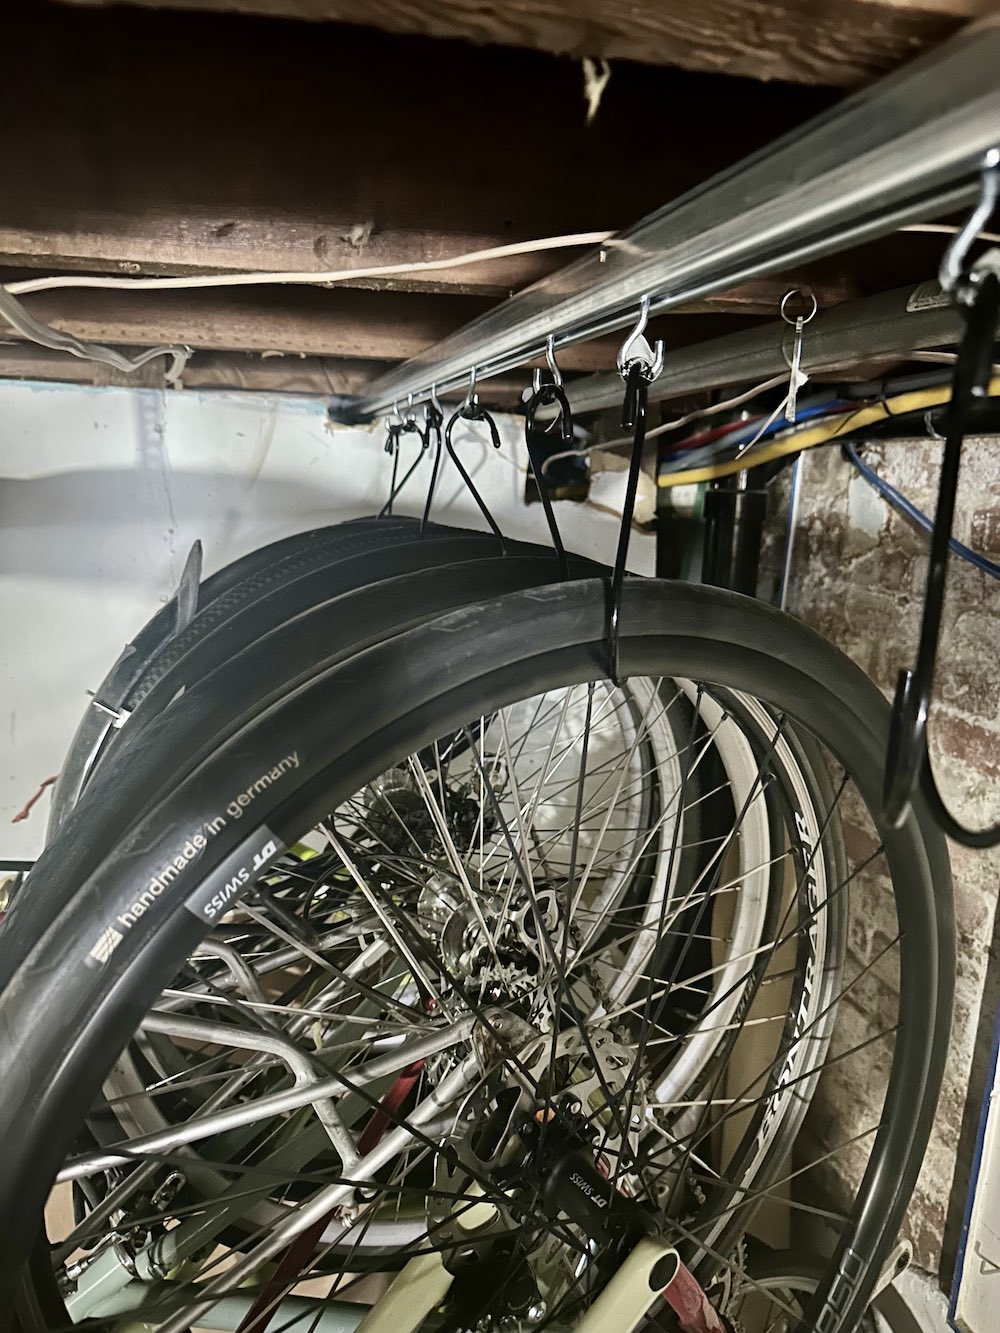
{"x":651,"y":1273}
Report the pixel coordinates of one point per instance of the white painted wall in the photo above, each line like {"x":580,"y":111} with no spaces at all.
{"x":103,"y":491}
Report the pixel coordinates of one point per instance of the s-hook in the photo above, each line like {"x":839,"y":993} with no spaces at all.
{"x":536,"y":437}
{"x":433,"y":418}
{"x":639,"y":364}
{"x":472,"y":411}
{"x":394,"y":429}
{"x":977,"y":294}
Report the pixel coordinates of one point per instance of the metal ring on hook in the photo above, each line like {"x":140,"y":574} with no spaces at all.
{"x":793,"y":319}
{"x":635,"y":350}
{"x":952,"y":270}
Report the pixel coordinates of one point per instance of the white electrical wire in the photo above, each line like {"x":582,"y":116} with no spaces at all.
{"x":949,"y":229}
{"x":25,"y":285}
{"x":37,"y":331}
{"x":333,"y":276}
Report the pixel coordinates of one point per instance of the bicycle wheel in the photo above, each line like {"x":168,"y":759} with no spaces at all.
{"x":551,"y":640}
{"x":627,"y":884}
{"x":372,"y":614}
{"x":770,"y":1293}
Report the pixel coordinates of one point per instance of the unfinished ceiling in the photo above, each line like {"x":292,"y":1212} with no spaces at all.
{"x":194,"y":143}
{"x":832,"y":42}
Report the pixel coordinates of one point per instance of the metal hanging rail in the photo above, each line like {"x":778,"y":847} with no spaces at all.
{"x":908,"y":319}
{"x":905,"y":150}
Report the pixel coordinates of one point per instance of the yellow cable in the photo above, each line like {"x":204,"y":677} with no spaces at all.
{"x":900,"y":405}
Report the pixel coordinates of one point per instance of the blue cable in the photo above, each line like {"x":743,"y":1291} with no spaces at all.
{"x":741,"y":433}
{"x":907,"y":507}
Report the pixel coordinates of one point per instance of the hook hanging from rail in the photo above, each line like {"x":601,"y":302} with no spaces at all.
{"x":554,"y":371}
{"x":433,"y":419}
{"x":536,"y":438}
{"x":952,"y":273}
{"x":471,"y":410}
{"x":797,"y":377}
{"x":639,"y":364}
{"x":977,"y":292}
{"x":636,"y":348}
{"x":407,"y":425}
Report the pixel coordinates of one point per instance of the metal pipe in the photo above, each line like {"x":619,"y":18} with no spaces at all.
{"x":790,"y":530}
{"x":890,"y":324}
{"x":276,"y":1103}
{"x":734,"y":515}
{"x":272,"y":1043}
{"x":906,"y":149}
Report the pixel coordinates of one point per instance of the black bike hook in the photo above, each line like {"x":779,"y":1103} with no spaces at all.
{"x":536,"y":437}
{"x":472,"y":411}
{"x":907,"y":758}
{"x":639,"y":364}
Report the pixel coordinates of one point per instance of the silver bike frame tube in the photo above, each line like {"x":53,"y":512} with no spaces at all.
{"x":276,"y":1103}
{"x":325,"y":1200}
{"x":906,"y":149}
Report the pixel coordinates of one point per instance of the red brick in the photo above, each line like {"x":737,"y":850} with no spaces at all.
{"x":963,"y":739}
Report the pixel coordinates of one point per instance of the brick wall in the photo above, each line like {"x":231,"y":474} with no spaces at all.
{"x":858,"y":576}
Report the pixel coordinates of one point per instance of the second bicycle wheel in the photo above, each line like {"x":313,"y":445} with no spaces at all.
{"x":496,"y":972}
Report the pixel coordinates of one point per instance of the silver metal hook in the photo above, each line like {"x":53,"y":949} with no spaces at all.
{"x":471,"y":398}
{"x":411,"y":415}
{"x":636,"y":349}
{"x":797,"y":376}
{"x":550,"y":357}
{"x":952,"y":270}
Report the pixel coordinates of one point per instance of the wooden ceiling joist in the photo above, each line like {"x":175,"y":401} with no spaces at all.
{"x":173,"y":143}
{"x":833,"y":42}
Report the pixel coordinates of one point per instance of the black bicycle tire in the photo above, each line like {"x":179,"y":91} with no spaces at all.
{"x":148,"y":760}
{"x":764,"y":1265}
{"x":221,"y":596}
{"x":709,"y":631}
{"x":260,"y":616}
